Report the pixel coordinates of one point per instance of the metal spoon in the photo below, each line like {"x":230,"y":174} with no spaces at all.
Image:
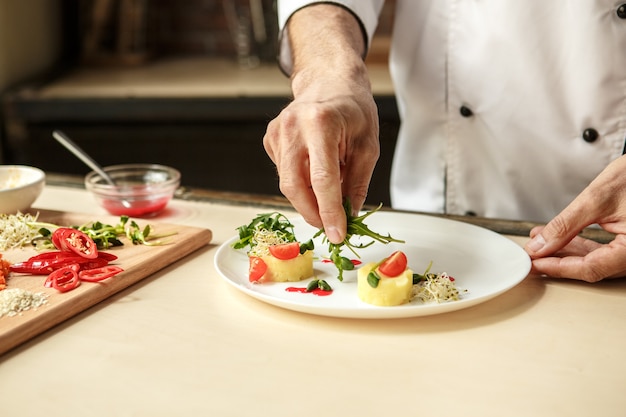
{"x":69,"y":144}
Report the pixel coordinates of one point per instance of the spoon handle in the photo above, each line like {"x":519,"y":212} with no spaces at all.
{"x":80,"y":154}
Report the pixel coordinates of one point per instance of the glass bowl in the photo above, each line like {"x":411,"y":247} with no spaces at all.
{"x":140,"y":190}
{"x":20,"y":185}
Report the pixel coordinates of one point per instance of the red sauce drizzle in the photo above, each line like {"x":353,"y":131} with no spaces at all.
{"x":317,"y":291}
{"x":355,"y":262}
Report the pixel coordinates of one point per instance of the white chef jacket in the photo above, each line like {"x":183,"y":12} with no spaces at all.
{"x":508,"y":108}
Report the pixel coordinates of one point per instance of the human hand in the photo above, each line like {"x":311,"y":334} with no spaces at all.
{"x":555,"y":249}
{"x":325,"y":142}
{"x":325,"y":147}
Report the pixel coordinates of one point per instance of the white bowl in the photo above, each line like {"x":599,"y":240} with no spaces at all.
{"x":19,"y":187}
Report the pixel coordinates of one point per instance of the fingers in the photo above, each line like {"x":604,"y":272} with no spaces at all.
{"x":326,"y":186}
{"x":576,"y":247}
{"x":557,"y":251}
{"x":360,"y":166}
{"x":559,"y":231}
{"x":292,"y":164}
{"x":602,"y":261}
{"x":575,"y":258}
{"x":307,"y":152}
{"x":602,"y":202}
{"x":325,"y":150}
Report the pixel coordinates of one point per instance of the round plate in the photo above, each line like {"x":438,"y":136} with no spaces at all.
{"x":482,"y":262}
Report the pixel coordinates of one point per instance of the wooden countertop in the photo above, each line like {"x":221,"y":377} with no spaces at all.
{"x":184,"y":342}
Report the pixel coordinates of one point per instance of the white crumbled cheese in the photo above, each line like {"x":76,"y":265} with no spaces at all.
{"x":14,"y":301}
{"x":15,"y":231}
{"x":436,"y":288}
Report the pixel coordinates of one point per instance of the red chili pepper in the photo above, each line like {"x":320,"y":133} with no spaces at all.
{"x":107,"y":255}
{"x":98,"y":274}
{"x":46,"y":266}
{"x":72,"y":240}
{"x":32,"y":267}
{"x":55,"y":254}
{"x":44,"y":263}
{"x":58,"y":254}
{"x":64,"y":279}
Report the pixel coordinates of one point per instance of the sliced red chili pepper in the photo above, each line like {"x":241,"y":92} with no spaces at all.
{"x":32,"y":267}
{"x":64,"y":279}
{"x":48,"y":255}
{"x":98,"y":274}
{"x":58,"y":254}
{"x":46,"y":266}
{"x":73,"y":240}
{"x":107,"y":255}
{"x":48,"y":282}
{"x":92,"y":263}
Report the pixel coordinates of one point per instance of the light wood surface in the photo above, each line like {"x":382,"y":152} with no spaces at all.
{"x":183,"y":342}
{"x":138,"y":261}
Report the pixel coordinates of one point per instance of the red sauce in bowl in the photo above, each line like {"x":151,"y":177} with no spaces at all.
{"x":137,"y":208}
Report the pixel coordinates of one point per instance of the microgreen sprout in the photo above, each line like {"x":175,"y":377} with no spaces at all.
{"x":274,"y":222}
{"x":104,"y":235}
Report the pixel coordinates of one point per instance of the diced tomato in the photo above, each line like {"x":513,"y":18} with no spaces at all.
{"x":258,"y":267}
{"x":285,"y":251}
{"x":64,"y":279}
{"x":71,"y":240}
{"x":98,"y":274}
{"x":394,"y":265}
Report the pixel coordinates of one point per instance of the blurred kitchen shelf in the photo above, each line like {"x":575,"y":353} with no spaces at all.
{"x":205,"y":116}
{"x":185,"y":77}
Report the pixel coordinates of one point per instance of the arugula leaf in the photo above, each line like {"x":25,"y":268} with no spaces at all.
{"x":274,"y":221}
{"x":355,"y":227}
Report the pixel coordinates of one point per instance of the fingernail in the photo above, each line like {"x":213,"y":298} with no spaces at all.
{"x":332,"y":233}
{"x":536,"y":243}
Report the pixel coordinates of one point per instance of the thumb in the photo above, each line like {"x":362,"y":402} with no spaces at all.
{"x":558,"y":232}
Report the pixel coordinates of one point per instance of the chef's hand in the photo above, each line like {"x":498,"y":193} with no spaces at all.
{"x":325,"y":142}
{"x":555,"y":249}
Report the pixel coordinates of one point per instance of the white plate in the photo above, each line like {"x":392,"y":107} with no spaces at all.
{"x":484,"y":263}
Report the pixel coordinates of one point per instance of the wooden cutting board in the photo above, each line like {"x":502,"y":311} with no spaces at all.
{"x":138,"y":261}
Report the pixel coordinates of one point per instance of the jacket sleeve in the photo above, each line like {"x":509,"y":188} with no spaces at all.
{"x":366,"y":11}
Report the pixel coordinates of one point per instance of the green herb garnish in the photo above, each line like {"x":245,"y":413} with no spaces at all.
{"x":275,"y":222}
{"x":355,"y":227}
{"x":144,"y":236}
{"x":318,"y":284}
{"x":417,"y":278}
{"x":104,"y":235}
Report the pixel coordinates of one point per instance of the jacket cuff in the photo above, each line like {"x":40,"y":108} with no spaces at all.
{"x":366,"y":12}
